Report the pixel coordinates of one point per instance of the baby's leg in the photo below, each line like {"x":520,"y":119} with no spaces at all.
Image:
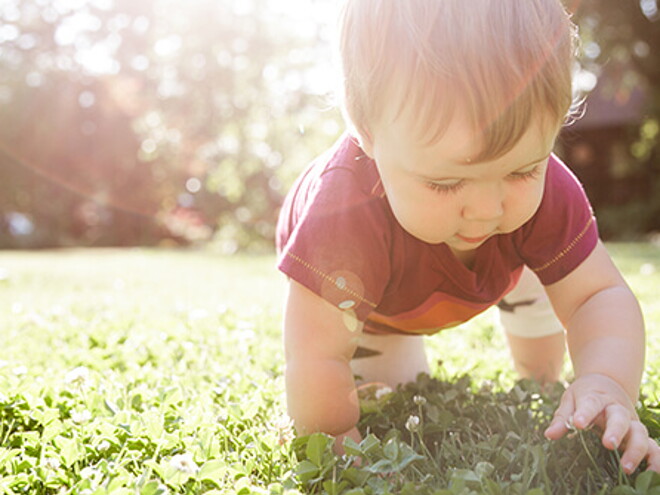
{"x":535,"y":335}
{"x":389,"y":359}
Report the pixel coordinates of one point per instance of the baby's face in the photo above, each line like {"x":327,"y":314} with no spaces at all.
{"x":438,"y":194}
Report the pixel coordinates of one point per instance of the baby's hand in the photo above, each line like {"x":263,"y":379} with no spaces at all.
{"x":598,"y":400}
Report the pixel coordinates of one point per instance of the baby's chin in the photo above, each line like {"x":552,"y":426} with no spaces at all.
{"x":435,"y":240}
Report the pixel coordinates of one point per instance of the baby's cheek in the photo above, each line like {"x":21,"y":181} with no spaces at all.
{"x":529,"y":199}
{"x":535,"y":199}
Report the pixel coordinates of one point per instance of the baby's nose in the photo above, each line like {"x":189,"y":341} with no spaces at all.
{"x":485,"y":203}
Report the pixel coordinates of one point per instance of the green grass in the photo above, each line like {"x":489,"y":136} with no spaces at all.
{"x":151,"y":372}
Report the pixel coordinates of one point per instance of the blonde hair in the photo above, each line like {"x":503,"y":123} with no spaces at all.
{"x":502,"y":63}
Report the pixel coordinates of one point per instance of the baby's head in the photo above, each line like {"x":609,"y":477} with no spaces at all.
{"x":497,"y":65}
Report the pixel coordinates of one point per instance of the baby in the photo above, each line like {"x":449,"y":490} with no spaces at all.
{"x":443,"y":199}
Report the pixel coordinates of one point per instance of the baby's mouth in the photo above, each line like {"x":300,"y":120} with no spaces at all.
{"x":472,"y":240}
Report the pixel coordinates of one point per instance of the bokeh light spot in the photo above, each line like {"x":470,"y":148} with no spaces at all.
{"x":347,"y":304}
{"x":649,"y":8}
{"x":193,"y":185}
{"x":149,"y":146}
{"x":140,"y":63}
{"x":8,"y":32}
{"x":87,"y":99}
{"x":34,"y":79}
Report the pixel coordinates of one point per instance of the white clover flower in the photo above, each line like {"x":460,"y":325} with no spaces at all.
{"x":282,"y":422}
{"x":246,"y":335}
{"x":81,"y":417}
{"x":78,"y":376}
{"x":162,"y":490}
{"x":647,"y":269}
{"x":419,"y":400}
{"x":283,"y":426}
{"x":88,"y":472}
{"x":20,"y":370}
{"x":382,"y":392}
{"x":198,"y":314}
{"x":103,"y":446}
{"x":57,"y":310}
{"x":51,"y":463}
{"x":412,"y":423}
{"x":184,"y":463}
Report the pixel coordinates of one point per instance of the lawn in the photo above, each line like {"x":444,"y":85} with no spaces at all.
{"x":153,"y":372}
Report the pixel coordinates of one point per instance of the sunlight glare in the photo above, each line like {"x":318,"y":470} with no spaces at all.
{"x":168,"y":46}
{"x":649,"y":8}
{"x":8,"y":32}
{"x":193,"y":185}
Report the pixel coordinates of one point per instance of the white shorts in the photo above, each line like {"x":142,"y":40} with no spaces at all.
{"x":526,"y":310}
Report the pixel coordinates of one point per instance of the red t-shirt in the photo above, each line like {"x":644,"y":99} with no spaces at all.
{"x":338,"y":237}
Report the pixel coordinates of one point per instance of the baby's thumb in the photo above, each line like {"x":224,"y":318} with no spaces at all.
{"x":562,"y":421}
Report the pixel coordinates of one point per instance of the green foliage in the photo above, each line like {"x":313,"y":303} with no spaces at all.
{"x":468,"y":441}
{"x":161,"y":372}
{"x":132,"y":381}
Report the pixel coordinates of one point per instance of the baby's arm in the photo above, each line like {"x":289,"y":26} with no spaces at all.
{"x":605,"y":336}
{"x":319,"y":342}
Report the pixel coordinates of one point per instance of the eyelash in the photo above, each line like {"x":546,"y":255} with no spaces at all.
{"x":454,"y":188}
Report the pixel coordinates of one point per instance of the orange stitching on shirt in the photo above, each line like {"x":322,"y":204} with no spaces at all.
{"x":328,"y":277}
{"x":375,"y":188}
{"x":567,"y":249}
{"x":378,"y":185}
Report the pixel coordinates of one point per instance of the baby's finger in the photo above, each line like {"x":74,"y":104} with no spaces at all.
{"x":556,"y":430}
{"x":653,"y":457}
{"x":637,"y":447}
{"x":562,"y":421}
{"x":616,"y":427}
{"x":587,"y":409}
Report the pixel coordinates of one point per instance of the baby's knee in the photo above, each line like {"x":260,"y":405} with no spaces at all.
{"x":541,"y":359}
{"x":390,"y":359}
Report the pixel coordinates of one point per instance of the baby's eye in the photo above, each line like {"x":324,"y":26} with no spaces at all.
{"x":528,"y":174}
{"x":446,"y":187}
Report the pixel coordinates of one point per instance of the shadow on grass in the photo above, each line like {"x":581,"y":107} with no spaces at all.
{"x":436,"y":437}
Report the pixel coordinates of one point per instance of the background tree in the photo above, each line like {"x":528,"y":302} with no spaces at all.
{"x":621,"y":51}
{"x":127,"y":122}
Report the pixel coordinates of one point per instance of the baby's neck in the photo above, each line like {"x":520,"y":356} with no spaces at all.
{"x":465,"y":257}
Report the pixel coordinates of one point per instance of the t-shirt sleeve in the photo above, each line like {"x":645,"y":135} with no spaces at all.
{"x":337,"y":245}
{"x":563,"y":232}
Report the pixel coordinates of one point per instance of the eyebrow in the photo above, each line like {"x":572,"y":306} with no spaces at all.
{"x":544,"y":157}
{"x":535,"y":161}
